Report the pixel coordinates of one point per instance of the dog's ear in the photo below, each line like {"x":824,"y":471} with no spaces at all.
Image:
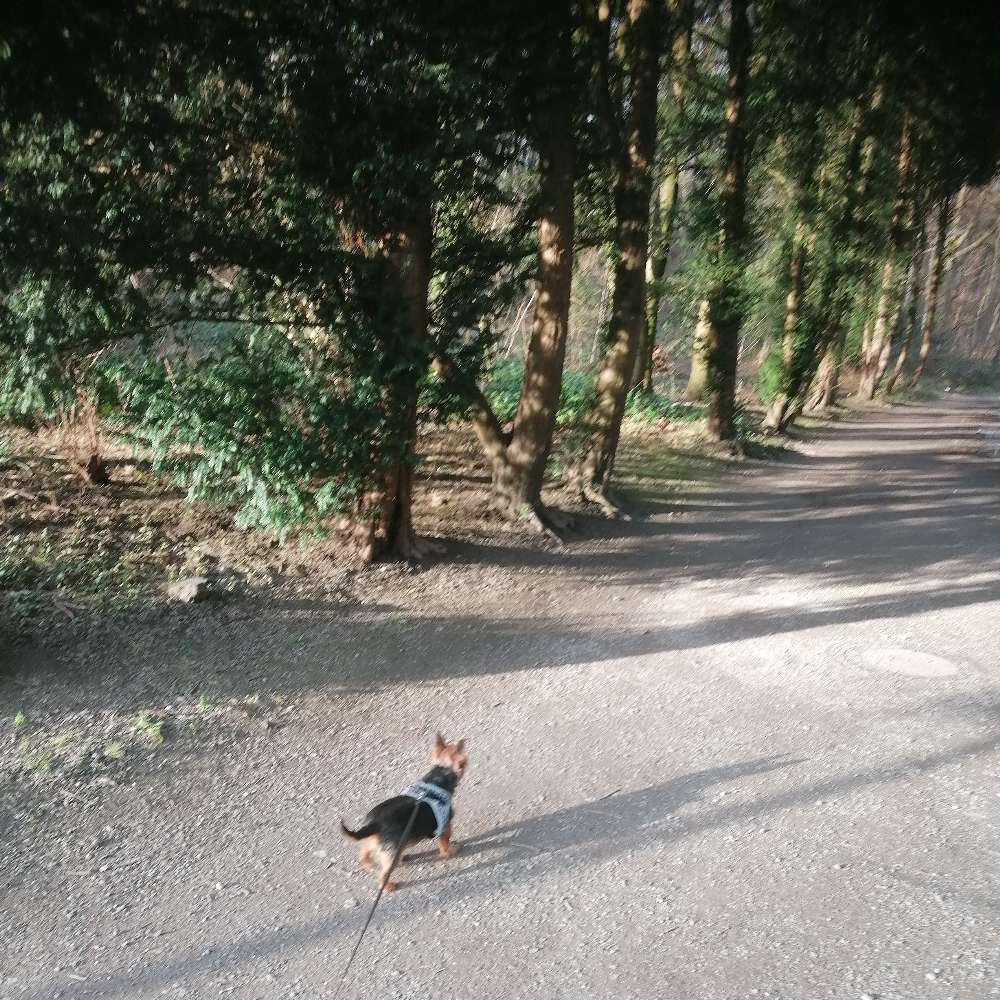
{"x":439,"y":743}
{"x":460,"y":746}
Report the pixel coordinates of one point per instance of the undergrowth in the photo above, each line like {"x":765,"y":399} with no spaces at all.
{"x":502,"y":387}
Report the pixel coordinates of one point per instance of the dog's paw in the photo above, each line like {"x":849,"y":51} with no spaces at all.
{"x":390,"y":887}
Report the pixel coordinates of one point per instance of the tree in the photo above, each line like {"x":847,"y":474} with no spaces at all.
{"x":936,"y":270}
{"x":631,"y":126}
{"x":724,"y":312}
{"x":912,"y":303}
{"x":876,"y":358}
{"x":518,"y":458}
{"x":663,"y":212}
{"x":282,"y":205}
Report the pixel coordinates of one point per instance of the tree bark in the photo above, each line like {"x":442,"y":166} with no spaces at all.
{"x":518,"y":459}
{"x":879,"y":350}
{"x":916,"y":271}
{"x":777,"y":412}
{"x":933,"y":290}
{"x":866,"y":332}
{"x":633,"y":184}
{"x":517,"y":479}
{"x":390,"y":534}
{"x":823,"y":351}
{"x":825,"y":385}
{"x":724,"y":311}
{"x":697,"y":381}
{"x":664,"y":211}
{"x":860,"y":164}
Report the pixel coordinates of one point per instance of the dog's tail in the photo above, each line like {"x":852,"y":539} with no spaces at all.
{"x":366,"y":831}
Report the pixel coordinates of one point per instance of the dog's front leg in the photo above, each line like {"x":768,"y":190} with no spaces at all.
{"x":445,"y":847}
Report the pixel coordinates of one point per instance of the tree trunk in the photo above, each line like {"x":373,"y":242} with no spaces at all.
{"x":777,"y":412}
{"x":879,"y":350}
{"x":861,"y":159}
{"x":518,"y":459}
{"x":911,"y":312}
{"x":390,"y":534}
{"x":698,"y":378}
{"x":664,"y":212}
{"x":933,"y":290}
{"x":633,"y":185}
{"x":517,"y":480}
{"x":866,"y":331}
{"x":662,"y":222}
{"x":825,"y":385}
{"x":822,"y":352}
{"x":724,"y":310}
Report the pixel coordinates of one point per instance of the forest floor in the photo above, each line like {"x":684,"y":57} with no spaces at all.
{"x":746,"y":746}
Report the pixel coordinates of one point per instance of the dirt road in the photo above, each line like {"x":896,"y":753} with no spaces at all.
{"x":749,"y":747}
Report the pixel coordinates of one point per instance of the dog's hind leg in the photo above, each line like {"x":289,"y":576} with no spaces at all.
{"x":366,"y":852}
{"x":385,"y":863}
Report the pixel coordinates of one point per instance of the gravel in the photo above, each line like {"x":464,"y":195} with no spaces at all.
{"x":746,"y":747}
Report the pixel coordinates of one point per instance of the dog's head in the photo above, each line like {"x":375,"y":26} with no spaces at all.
{"x":450,"y":755}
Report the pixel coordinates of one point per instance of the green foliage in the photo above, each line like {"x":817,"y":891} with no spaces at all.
{"x":770,"y":375}
{"x":149,"y":727}
{"x":47,"y":562}
{"x":246,"y":172}
{"x":503,"y":390}
{"x":202,"y":207}
{"x":268,"y":424}
{"x":653,"y":408}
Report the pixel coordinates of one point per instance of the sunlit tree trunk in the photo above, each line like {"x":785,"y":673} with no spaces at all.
{"x":819,"y":355}
{"x":633,"y":184}
{"x":778,"y":410}
{"x":517,"y":480}
{"x":913,"y":301}
{"x":697,"y":381}
{"x":876,"y":358}
{"x":518,"y":459}
{"x":724,"y":308}
{"x":933,"y":290}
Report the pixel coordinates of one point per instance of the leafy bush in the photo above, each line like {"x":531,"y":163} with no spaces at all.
{"x":46,"y":328}
{"x":650,"y":408}
{"x":502,"y":387}
{"x":268,"y":424}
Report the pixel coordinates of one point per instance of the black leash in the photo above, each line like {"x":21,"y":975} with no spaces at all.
{"x":381,"y":889}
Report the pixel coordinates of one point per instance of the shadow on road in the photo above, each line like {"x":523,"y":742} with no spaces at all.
{"x":568,"y":839}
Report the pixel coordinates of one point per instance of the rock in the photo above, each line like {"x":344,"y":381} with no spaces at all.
{"x":188,"y":589}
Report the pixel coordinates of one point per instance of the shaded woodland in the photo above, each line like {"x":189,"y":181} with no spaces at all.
{"x":264,"y":244}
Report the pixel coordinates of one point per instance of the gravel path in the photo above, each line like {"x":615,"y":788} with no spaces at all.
{"x":748,"y":748}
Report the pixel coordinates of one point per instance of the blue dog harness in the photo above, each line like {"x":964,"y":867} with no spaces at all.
{"x":437,"y":798}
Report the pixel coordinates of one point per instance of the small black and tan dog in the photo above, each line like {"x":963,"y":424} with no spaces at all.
{"x":383,"y":828}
